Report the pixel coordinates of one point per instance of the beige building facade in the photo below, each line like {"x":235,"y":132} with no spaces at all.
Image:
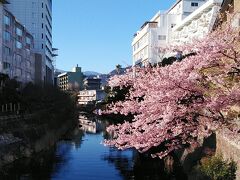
{"x":71,"y":81}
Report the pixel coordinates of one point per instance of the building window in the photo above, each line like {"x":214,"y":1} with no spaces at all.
{"x":6,"y":36}
{"x":6,"y":20}
{"x":18,"y":45}
{"x":162,"y":37}
{"x":186,"y":13}
{"x":18,"y":60}
{"x":19,"y":31}
{"x":6,"y":65}
{"x":42,"y":15}
{"x":28,"y":40}
{"x":6,"y":51}
{"x":33,"y":5}
{"x":172,"y":25}
{"x":42,"y":25}
{"x":33,"y":15}
{"x":194,"y":4}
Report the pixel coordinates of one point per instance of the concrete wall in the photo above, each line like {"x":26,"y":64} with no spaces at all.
{"x":229,"y":148}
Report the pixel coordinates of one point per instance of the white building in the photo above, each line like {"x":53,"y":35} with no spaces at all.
{"x":157,"y":32}
{"x":86,"y":97}
{"x":152,"y":34}
{"x":36,"y":15}
{"x":198,"y":24}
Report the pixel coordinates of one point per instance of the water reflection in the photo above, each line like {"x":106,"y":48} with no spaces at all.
{"x":91,"y":124}
{"x":38,"y":168}
{"x":135,"y":166}
{"x":81,"y":156}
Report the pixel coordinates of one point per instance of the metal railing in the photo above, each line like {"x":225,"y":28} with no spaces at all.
{"x":10,"y":109}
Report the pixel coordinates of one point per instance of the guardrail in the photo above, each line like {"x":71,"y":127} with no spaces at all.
{"x":10,"y":109}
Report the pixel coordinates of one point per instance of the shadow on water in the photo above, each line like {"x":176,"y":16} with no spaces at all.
{"x":38,"y":168}
{"x":80,"y":154}
{"x":142,"y":167}
{"x":44,"y":164}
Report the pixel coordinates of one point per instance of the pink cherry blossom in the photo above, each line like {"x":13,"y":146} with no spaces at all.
{"x":175,"y":104}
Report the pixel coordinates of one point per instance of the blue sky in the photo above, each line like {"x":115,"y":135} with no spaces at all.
{"x":97,"y":34}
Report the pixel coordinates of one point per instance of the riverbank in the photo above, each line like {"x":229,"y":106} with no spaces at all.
{"x":23,"y":137}
{"x":46,"y":115}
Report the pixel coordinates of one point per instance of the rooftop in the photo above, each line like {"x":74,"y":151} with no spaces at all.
{"x":176,"y":3}
{"x":148,"y":22}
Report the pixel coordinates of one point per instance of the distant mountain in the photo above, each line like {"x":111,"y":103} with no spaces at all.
{"x":91,"y":73}
{"x":60,"y":71}
{"x":105,"y":77}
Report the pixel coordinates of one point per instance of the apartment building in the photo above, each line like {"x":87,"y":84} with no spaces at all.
{"x":17,"y":57}
{"x":71,"y":81}
{"x":157,"y":32}
{"x":152,"y":34}
{"x":93,"y":83}
{"x":86,"y":97}
{"x":36,"y":15}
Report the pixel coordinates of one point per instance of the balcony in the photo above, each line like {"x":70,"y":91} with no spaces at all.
{"x":54,"y":52}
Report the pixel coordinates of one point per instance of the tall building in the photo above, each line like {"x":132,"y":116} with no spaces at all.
{"x":36,"y":15}
{"x":16,"y":52}
{"x":71,"y":81}
{"x":157,"y":32}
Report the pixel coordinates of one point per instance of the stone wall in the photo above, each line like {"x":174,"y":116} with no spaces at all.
{"x":19,"y":137}
{"x":236,"y":5}
{"x":229,"y":148}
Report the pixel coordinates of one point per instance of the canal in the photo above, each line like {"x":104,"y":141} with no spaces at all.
{"x":81,"y":156}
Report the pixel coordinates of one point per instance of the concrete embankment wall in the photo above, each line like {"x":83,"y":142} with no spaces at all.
{"x":222,"y":143}
{"x":20,"y":137}
{"x":229,"y":147}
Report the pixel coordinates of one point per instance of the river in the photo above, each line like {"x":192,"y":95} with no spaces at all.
{"x":81,"y":156}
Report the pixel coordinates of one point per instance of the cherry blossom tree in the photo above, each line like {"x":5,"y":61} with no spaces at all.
{"x":174,"y":105}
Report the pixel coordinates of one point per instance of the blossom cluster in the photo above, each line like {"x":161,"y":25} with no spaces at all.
{"x":174,"y":105}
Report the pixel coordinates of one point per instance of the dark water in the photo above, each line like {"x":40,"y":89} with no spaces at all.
{"x":83,"y":157}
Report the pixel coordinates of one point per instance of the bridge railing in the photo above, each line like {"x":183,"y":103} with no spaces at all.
{"x":10,"y":109}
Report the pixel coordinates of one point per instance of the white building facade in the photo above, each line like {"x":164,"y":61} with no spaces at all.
{"x":86,"y":97}
{"x":36,"y":15}
{"x":158,"y":32}
{"x":198,"y":24}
